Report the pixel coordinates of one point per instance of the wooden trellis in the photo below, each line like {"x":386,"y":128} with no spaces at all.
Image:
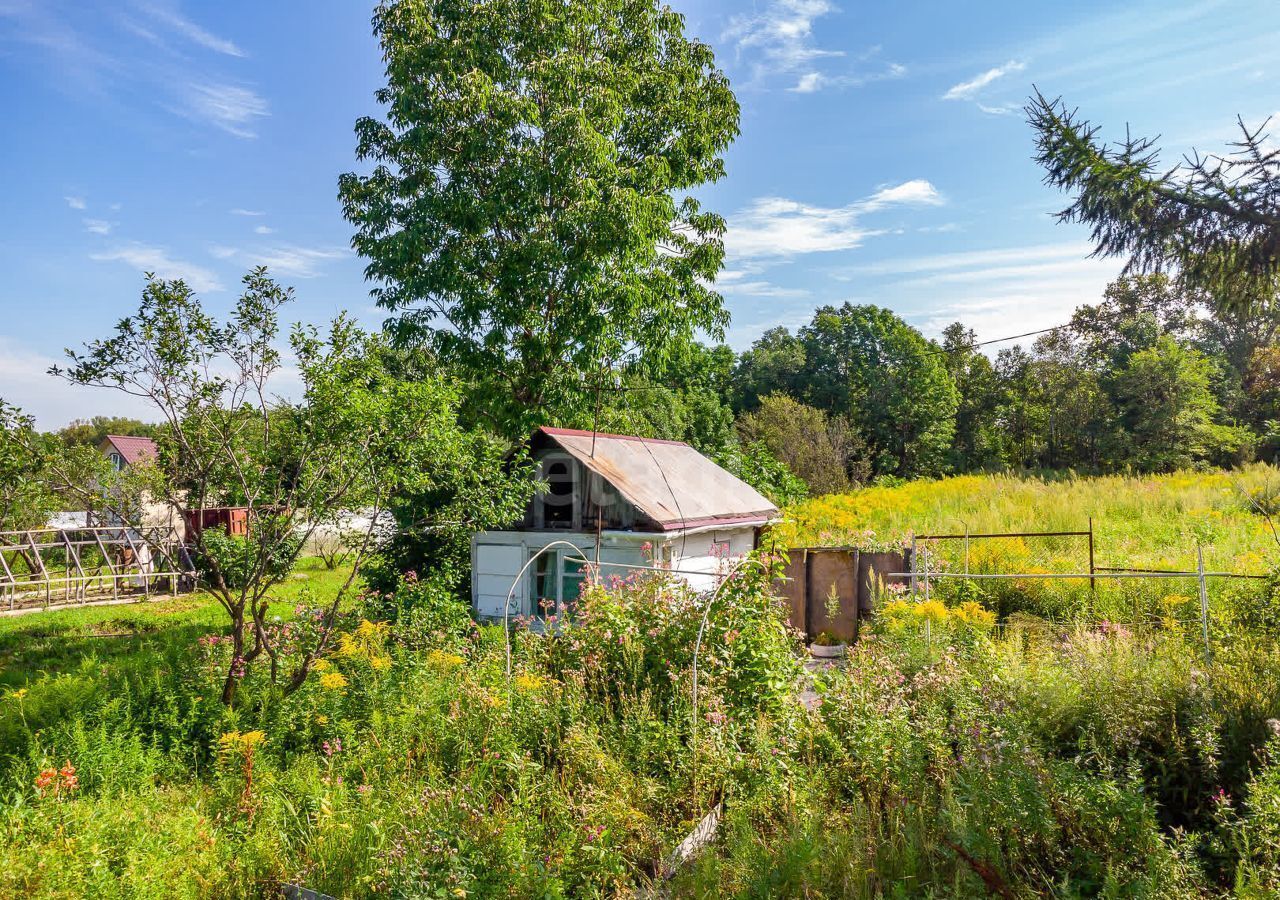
{"x":76,"y":565}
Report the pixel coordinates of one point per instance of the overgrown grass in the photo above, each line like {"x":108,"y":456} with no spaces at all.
{"x":1139,"y":522}
{"x":1152,"y":521}
{"x":964,"y":759}
{"x":51,"y":641}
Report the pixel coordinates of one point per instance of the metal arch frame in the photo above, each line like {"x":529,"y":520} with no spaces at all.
{"x":515,"y":582}
{"x":725,"y":579}
{"x":105,"y":576}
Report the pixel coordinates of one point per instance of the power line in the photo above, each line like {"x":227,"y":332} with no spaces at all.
{"x":1012,"y":337}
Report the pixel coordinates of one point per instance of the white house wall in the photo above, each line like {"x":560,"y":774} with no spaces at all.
{"x":694,"y":554}
{"x":498,"y":556}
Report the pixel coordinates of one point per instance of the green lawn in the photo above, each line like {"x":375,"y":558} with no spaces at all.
{"x":49,"y":642}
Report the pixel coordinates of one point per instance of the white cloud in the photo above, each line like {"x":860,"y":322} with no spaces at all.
{"x":298,"y":262}
{"x":285,"y":259}
{"x":967,"y":90}
{"x":974,"y":258}
{"x":996,"y":291}
{"x":157,"y":260}
{"x":94,"y":51}
{"x":739,"y":282}
{"x":97,"y":226}
{"x":263,"y":229}
{"x":777,"y":227}
{"x":75,"y":202}
{"x":227,"y":106}
{"x":780,"y":39}
{"x":916,"y":191}
{"x":170,"y":17}
{"x":809,"y":83}
{"x":812,"y":82}
{"x":247,"y":212}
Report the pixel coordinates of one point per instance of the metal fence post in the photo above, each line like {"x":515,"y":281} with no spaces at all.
{"x":928,"y":631}
{"x":1204,"y":599}
{"x":913,"y":567}
{"x":925,"y":561}
{"x":1093,"y":582}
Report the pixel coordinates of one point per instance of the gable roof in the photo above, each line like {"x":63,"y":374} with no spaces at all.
{"x":667,"y":481}
{"x":132,"y":450}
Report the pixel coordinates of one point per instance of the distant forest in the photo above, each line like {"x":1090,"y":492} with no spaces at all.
{"x":1150,"y":378}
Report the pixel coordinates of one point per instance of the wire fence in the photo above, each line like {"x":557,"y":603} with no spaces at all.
{"x":1055,"y":578}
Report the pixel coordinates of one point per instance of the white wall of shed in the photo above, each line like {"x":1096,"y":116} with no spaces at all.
{"x":694,"y":553}
{"x":497,"y":557}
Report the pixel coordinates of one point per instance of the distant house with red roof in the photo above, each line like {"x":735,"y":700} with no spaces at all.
{"x":124,"y":452}
{"x":622,"y":499}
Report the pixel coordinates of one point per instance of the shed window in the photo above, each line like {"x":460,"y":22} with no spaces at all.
{"x":557,"y":584}
{"x":557,"y":502}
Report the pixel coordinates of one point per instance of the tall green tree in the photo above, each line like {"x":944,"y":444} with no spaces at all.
{"x":976,"y":444}
{"x":1167,"y":409}
{"x":774,"y":364}
{"x":1077,"y":414}
{"x":1022,"y":414}
{"x":1133,"y":312}
{"x":527,"y":213}
{"x":867,"y":364}
{"x":1214,"y":221}
{"x":681,"y":395}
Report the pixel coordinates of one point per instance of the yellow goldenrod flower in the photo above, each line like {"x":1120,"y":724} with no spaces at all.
{"x":529,"y":682}
{"x":442,"y":660}
{"x":333,"y":681}
{"x":236,"y":742}
{"x":930,"y":611}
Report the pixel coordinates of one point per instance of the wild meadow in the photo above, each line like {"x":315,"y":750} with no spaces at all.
{"x":953,"y":755}
{"x":1139,"y":522}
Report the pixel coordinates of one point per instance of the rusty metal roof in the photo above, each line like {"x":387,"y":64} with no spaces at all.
{"x":667,"y":481}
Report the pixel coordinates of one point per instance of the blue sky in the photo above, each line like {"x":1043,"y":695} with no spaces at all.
{"x":883,"y":155}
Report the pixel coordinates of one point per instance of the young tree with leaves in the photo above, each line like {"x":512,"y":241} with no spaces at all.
{"x":822,"y":450}
{"x":528,"y":215}
{"x":1168,"y":410}
{"x":355,"y":438}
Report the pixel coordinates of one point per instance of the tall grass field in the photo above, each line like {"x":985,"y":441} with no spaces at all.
{"x":1149,"y":522}
{"x":975,"y":743}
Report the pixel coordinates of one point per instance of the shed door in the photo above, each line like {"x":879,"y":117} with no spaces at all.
{"x":497,"y":566}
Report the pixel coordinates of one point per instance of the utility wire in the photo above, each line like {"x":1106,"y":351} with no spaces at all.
{"x":1012,"y":337}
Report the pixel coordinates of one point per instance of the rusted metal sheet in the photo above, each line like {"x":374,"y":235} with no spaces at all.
{"x":831,"y":583}
{"x":792,"y":587}
{"x":873,"y":577}
{"x":669,"y":482}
